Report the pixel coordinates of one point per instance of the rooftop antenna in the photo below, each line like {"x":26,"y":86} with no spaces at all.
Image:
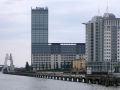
{"x":98,"y":9}
{"x":107,"y":8}
{"x":98,"y":12}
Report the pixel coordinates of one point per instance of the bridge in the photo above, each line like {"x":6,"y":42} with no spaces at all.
{"x":7,"y":68}
{"x":1,"y":66}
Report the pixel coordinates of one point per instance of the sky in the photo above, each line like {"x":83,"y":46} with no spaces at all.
{"x":65,"y":23}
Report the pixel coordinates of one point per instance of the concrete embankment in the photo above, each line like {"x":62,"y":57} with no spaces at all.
{"x":22,"y":74}
{"x":106,"y":80}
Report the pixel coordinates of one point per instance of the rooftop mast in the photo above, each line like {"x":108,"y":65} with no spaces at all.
{"x":107,"y":8}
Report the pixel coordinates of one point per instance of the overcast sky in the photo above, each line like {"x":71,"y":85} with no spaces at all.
{"x":65,"y":18}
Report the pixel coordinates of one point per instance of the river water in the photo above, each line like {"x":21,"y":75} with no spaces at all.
{"x":12,"y":82}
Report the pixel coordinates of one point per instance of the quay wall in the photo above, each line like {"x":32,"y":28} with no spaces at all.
{"x":105,"y":80}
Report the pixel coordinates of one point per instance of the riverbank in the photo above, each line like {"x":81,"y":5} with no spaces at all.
{"x":92,"y":79}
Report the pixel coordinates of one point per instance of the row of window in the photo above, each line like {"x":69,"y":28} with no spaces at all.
{"x":112,"y":22}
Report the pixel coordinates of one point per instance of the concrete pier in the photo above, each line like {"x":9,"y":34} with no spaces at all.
{"x":101,"y":80}
{"x":92,"y":79}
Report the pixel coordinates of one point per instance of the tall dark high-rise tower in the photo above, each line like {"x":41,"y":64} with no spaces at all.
{"x":39,"y":30}
{"x":39,"y":25}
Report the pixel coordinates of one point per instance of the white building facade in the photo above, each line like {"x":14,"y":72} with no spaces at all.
{"x":103,"y":43}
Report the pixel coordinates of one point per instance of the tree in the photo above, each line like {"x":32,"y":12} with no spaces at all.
{"x":27,"y":67}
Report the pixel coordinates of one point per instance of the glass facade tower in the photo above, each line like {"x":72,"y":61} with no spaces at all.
{"x":39,"y":25}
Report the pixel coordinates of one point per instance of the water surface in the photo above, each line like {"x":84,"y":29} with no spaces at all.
{"x":12,"y":82}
